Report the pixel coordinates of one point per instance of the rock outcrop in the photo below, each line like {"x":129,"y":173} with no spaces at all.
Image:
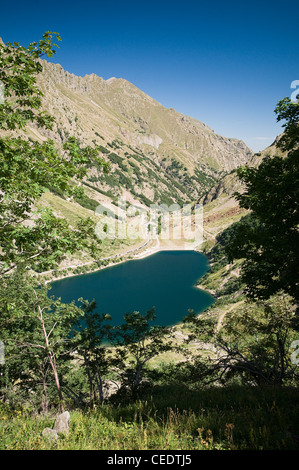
{"x":61,"y":426}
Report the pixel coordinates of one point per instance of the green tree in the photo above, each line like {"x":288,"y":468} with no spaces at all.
{"x":18,"y":69}
{"x":252,"y":346}
{"x":270,"y":248}
{"x":255,"y":342}
{"x":32,"y":239}
{"x":36,"y":331}
{"x":288,"y":111}
{"x":137,"y":341}
{"x":90,"y":338}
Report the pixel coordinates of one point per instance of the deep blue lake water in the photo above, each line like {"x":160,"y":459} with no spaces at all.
{"x":165,"y":280}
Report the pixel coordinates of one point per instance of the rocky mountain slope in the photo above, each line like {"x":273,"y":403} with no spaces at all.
{"x":220,"y":206}
{"x":157,"y":155}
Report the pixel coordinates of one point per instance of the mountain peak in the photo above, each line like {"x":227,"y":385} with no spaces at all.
{"x":157,"y":153}
{"x":111,"y":80}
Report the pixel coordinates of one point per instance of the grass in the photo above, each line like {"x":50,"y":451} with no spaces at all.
{"x":72,"y":212}
{"x":171,"y":418}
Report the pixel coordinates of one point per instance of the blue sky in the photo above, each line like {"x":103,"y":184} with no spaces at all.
{"x":226,"y":63}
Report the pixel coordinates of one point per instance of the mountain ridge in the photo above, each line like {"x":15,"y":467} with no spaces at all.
{"x":117,"y":100}
{"x":170,"y":157}
{"x":157,"y":155}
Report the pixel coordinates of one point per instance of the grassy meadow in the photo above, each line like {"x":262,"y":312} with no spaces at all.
{"x":172,"y":418}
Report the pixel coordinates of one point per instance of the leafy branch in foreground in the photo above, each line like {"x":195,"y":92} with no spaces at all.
{"x":35,"y":328}
{"x":28,"y":237}
{"x":89,"y":337}
{"x":18,"y":69}
{"x":270,"y":250}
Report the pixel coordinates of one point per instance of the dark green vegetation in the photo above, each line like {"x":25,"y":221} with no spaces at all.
{"x":134,"y":170}
{"x":270,"y":244}
{"x":33,"y":240}
{"x":227,"y":379}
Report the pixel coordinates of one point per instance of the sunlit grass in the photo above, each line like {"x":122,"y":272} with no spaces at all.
{"x":172,"y":418}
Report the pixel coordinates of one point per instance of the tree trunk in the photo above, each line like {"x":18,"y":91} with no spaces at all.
{"x":44,"y":396}
{"x":100,"y":384}
{"x":91,"y":388}
{"x":52,"y":361}
{"x":53,"y":365}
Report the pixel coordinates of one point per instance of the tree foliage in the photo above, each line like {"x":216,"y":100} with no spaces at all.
{"x":35,"y":328}
{"x":137,"y":341}
{"x":18,"y":69}
{"x":90,"y":339}
{"x":288,"y":111}
{"x":30,"y":237}
{"x":270,"y":249}
{"x":252,"y":346}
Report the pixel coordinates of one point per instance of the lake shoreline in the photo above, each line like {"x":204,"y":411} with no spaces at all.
{"x":144,"y":254}
{"x":205,"y":289}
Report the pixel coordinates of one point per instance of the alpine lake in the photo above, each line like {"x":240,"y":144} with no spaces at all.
{"x":165,"y":281}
